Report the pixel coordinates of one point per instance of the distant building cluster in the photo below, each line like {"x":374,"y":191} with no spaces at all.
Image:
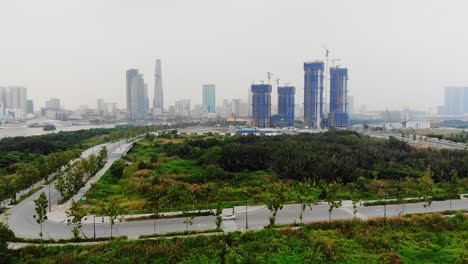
{"x":314,"y":105}
{"x":13,"y":103}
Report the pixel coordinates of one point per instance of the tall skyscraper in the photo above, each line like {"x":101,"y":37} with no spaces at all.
{"x":261,"y":104}
{"x":30,"y":107}
{"x":456,"y":100}
{"x":158,"y":101}
{"x":131,"y":74}
{"x":338,"y":115}
{"x":145,"y":99}
{"x":209,"y":97}
{"x":16,"y":98}
{"x":101,"y":106}
{"x":136,"y":98}
{"x":313,"y":94}
{"x":286,"y":104}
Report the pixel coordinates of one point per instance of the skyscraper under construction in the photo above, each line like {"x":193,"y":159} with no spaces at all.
{"x":338,"y":115}
{"x":313,"y":94}
{"x":261,"y":104}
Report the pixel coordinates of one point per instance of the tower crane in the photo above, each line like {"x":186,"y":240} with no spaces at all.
{"x":327,"y":52}
{"x":277,"y":82}
{"x":333,"y":62}
{"x":269,"y":75}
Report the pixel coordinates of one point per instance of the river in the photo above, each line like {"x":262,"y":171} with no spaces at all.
{"x":33,"y":131}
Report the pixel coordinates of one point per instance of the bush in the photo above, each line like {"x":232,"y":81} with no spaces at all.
{"x":6,"y":235}
{"x":117,"y":168}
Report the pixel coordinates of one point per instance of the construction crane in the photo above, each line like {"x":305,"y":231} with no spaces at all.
{"x":333,"y":62}
{"x":277,"y":82}
{"x":327,"y":52}
{"x":269,"y":75}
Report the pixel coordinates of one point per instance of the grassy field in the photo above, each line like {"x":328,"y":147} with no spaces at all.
{"x":419,"y":239}
{"x":132,"y":190}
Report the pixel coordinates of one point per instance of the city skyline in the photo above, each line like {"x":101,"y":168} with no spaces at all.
{"x":394,"y":57}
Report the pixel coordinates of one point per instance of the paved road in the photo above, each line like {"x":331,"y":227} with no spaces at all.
{"x":21,"y":219}
{"x":22,"y":223}
{"x":257,"y":219}
{"x":429,"y":142}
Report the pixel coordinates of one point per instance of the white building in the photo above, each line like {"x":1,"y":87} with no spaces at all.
{"x":14,"y":101}
{"x":182,"y":107}
{"x":52,"y":103}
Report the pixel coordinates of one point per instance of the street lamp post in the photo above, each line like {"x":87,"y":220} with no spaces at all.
{"x":246,"y":220}
{"x":94,"y":224}
{"x":246,"y":216}
{"x":49,"y":197}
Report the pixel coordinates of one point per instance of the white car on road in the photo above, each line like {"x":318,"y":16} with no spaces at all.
{"x":228,"y":217}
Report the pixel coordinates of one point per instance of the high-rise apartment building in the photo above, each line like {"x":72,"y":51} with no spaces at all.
{"x":29,"y":107}
{"x":158,"y":101}
{"x":16,"y":98}
{"x":456,"y":101}
{"x":136,"y":98}
{"x":182,"y":108}
{"x":286,"y":103}
{"x":261,"y":104}
{"x":313,"y":94}
{"x":52,"y":104}
{"x":338,"y":115}
{"x":209,"y":97}
{"x":101,"y":106}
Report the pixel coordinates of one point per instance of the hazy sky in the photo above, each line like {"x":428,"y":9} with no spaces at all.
{"x":399,"y":52}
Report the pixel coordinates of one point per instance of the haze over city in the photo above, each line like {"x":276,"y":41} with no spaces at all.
{"x":396,"y":51}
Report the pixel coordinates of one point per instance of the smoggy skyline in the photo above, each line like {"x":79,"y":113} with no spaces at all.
{"x":399,"y":53}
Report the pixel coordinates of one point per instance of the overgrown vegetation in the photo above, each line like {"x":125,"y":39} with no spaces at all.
{"x":172,"y":172}
{"x":418,"y":239}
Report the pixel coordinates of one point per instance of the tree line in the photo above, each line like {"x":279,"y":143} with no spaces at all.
{"x":330,"y":156}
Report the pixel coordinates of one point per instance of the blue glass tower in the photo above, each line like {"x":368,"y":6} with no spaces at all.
{"x":313,"y":94}
{"x":338,"y":115}
{"x":261,"y":104}
{"x":285,"y":116}
{"x":209,"y":97}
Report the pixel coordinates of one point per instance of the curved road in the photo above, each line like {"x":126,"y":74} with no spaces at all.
{"x":23,"y":224}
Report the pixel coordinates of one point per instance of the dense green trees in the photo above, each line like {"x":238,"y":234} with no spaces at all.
{"x":330,"y":156}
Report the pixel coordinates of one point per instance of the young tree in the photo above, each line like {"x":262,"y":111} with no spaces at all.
{"x":330,"y":194}
{"x":452,"y":186}
{"x":75,"y":214}
{"x":303,"y":196}
{"x":402,"y":188}
{"x":60,"y":185}
{"x":154,"y":202}
{"x":274,"y":199}
{"x":113,"y":210}
{"x":41,"y":210}
{"x":426,"y":185}
{"x":355,"y":195}
{"x":381,"y":189}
